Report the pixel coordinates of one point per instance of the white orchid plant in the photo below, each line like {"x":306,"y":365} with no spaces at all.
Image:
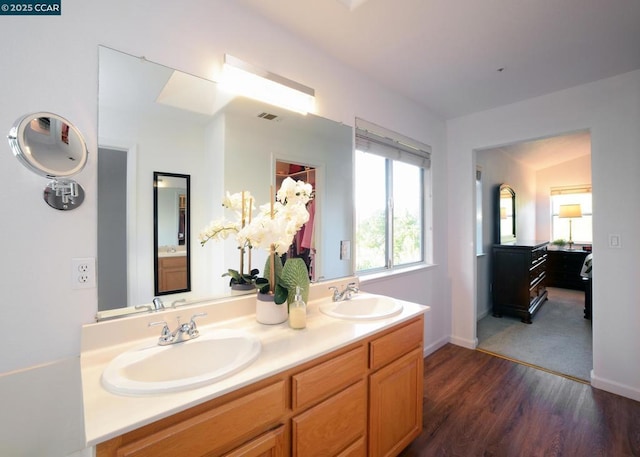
{"x":242,"y":204}
{"x":272,"y":229}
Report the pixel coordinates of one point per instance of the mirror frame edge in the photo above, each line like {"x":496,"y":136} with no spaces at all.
{"x":156,"y":279}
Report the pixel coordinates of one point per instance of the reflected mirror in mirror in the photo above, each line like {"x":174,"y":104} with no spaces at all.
{"x":505,"y":214}
{"x":171,"y":214}
{"x":158,"y":118}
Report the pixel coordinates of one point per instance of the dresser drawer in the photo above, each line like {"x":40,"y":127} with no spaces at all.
{"x":320,"y":382}
{"x":395,"y":344}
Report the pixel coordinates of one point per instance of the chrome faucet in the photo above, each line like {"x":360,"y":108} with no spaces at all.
{"x":157,"y":303}
{"x":346,"y":294}
{"x":184,"y":332}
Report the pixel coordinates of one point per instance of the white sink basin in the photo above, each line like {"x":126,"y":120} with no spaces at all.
{"x":362,"y":307}
{"x":155,"y":369}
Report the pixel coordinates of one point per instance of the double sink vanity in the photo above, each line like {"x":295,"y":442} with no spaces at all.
{"x":349,"y":384}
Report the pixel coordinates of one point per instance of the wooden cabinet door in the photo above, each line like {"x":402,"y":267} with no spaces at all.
{"x":270,"y":444}
{"x":395,"y":405}
{"x":332,"y":426}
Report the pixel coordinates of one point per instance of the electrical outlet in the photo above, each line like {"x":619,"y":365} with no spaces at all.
{"x":83,"y":273}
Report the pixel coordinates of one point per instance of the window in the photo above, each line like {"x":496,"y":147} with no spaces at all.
{"x":390,"y":177}
{"x":579,"y":227}
{"x":479,"y":239}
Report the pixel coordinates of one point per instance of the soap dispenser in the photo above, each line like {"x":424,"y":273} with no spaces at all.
{"x":298,"y":312}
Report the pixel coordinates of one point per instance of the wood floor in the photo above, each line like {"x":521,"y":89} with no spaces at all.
{"x":476,"y":404}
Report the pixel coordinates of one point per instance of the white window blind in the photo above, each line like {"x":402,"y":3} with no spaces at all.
{"x":377,"y":140}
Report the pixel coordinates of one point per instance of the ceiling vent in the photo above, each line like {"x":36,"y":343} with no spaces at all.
{"x":268,"y":116}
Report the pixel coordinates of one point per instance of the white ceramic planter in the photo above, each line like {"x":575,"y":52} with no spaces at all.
{"x":267,"y":312}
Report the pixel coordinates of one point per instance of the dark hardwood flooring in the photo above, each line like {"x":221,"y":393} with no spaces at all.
{"x":476,"y":404}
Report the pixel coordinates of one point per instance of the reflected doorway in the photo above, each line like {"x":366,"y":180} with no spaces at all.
{"x":304,"y":242}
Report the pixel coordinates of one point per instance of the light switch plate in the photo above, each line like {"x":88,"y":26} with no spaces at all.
{"x":345,"y":250}
{"x":614,"y":241}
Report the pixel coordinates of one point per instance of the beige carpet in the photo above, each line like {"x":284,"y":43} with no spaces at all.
{"x":558,"y":340}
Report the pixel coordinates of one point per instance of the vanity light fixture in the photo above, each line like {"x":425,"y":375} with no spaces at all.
{"x":352,"y":4}
{"x":250,"y":81}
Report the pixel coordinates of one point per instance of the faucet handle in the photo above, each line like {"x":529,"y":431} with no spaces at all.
{"x":144,"y":307}
{"x":336,"y":292}
{"x":174,"y":303}
{"x":165,"y":335}
{"x":193,"y":329}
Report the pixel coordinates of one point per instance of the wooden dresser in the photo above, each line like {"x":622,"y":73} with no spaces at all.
{"x":563,"y":268}
{"x":519,"y":279}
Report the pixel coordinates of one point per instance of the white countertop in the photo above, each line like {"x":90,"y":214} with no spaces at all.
{"x":172,"y":254}
{"x":108,"y":415}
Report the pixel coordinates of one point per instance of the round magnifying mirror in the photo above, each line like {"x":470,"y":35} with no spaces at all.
{"x":51,"y":146}
{"x":48,"y":144}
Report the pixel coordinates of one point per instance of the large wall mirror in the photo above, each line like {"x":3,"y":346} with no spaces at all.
{"x":154,"y":118}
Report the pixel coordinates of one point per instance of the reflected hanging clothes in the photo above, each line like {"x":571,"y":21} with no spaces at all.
{"x":307,"y":229}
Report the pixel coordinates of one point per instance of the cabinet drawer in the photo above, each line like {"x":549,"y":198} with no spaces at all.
{"x":173,"y":262}
{"x":357,"y":449}
{"x":393,"y":345}
{"x":332,"y":426}
{"x":321,"y":381}
{"x":216,"y":430}
{"x":270,"y":444}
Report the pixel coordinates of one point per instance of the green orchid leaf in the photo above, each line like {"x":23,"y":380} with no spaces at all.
{"x":295,"y":274}
{"x":262,"y":284}
{"x":280,"y":295}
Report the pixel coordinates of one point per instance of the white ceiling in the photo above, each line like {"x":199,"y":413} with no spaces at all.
{"x":548,"y":152}
{"x":445,"y":54}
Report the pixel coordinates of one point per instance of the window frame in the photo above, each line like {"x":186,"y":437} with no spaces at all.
{"x":394,"y":148}
{"x":569,"y":190}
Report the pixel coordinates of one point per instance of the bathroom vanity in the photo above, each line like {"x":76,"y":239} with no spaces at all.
{"x":338,"y":388}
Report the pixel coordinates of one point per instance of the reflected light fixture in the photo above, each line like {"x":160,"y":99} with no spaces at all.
{"x":250,"y":81}
{"x":569,"y":212}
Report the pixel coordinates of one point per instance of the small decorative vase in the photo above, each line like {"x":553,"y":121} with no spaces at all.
{"x":267,"y":312}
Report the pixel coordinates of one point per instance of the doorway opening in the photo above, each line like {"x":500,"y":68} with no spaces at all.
{"x":533,"y":169}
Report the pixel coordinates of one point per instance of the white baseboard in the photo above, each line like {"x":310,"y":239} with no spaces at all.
{"x":614,"y":387}
{"x":485,"y":313}
{"x":434,"y":346}
{"x":465,"y":343}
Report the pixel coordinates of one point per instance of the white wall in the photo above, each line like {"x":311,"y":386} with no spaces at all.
{"x":52,"y":64}
{"x":574,"y":172}
{"x":610,"y":109}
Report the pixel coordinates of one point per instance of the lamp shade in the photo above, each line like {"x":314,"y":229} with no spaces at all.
{"x":573,"y":210}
